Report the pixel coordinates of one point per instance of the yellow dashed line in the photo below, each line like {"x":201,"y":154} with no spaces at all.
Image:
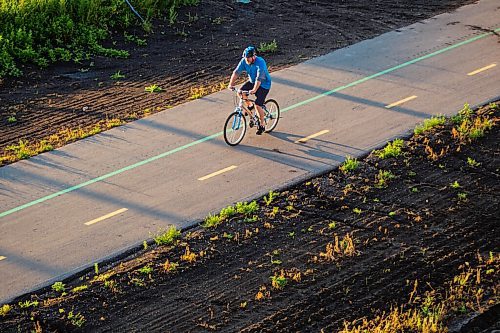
{"x":2,"y":257}
{"x":481,"y":69}
{"x":218,"y":172}
{"x":400,"y":102}
{"x":106,"y":216}
{"x":307,"y":138}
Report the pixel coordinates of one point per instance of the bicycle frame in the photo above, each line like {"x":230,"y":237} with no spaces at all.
{"x":235,"y":125}
{"x":240,"y":107}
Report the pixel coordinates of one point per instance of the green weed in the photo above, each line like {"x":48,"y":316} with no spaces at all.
{"x":463,"y":115}
{"x":270,"y":47}
{"x":59,"y":287}
{"x":167,"y":237}
{"x":146,"y":270}
{"x":357,"y":211}
{"x":382,"y":178}
{"x":269,"y":199}
{"x":429,"y":124}
{"x":247,"y":208}
{"x":134,"y":39}
{"x":468,"y":128}
{"x":332,"y":225}
{"x":77,"y":319}
{"x":111,"y":285}
{"x":462,"y":196}
{"x":5,"y":309}
{"x":393,"y":149}
{"x":274,"y":211}
{"x":279,"y":281}
{"x":11,"y":119}
{"x":212,"y":221}
{"x":79,"y":288}
{"x":153,"y":89}
{"x":455,"y":185}
{"x":251,"y":219}
{"x":22,"y":150}
{"x":350,"y":164}
{"x":118,"y":75}
{"x":26,"y":304}
{"x":472,"y":162}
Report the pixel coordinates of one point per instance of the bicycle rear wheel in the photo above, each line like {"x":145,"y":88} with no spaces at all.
{"x":235,"y":128}
{"x":272,"y":114}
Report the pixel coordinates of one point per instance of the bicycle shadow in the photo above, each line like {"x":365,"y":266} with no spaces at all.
{"x":316,"y":154}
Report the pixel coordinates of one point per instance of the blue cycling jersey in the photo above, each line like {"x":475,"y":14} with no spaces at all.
{"x":256,"y":71}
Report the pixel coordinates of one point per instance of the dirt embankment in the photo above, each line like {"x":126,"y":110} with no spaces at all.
{"x":340,"y":247}
{"x":198,"y":52}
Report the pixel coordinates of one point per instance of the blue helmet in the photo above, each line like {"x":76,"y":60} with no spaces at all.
{"x":249,"y":52}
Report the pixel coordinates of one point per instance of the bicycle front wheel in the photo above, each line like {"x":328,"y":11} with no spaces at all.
{"x":271,"y":114}
{"x":235,"y":128}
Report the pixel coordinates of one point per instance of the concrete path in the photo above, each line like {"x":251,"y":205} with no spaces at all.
{"x":64,"y":210}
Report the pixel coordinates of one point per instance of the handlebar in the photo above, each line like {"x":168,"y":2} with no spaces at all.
{"x":241,"y":91}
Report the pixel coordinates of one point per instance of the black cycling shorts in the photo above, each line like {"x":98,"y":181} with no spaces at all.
{"x":260,"y":94}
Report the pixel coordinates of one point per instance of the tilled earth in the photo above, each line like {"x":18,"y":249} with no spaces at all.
{"x":197,"y":52}
{"x":438,"y":212}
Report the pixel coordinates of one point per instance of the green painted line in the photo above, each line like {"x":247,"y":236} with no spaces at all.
{"x":411,"y":62}
{"x":108,"y":175}
{"x":213,"y":136}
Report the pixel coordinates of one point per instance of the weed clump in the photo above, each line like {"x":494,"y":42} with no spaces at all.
{"x":393,"y":149}
{"x":350,"y":164}
{"x":429,"y":124}
{"x":167,"y":237}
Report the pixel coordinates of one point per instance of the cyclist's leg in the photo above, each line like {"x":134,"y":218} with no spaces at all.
{"x":247,"y":86}
{"x":261,"y":95}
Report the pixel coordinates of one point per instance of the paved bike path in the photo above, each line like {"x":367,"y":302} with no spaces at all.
{"x":56,"y":209}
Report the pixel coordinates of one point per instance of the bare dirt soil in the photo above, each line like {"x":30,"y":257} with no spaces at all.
{"x":199,"y":51}
{"x":439,"y":211}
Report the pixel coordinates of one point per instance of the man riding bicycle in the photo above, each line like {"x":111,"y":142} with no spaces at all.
{"x":259,"y":81}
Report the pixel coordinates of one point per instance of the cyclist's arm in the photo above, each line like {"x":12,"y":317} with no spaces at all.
{"x":234,"y":76}
{"x":255,"y":86}
{"x":258,"y":78}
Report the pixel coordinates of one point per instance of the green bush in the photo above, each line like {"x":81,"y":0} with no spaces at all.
{"x":43,"y":32}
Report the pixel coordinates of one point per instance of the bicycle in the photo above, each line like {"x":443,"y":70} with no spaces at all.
{"x":235,"y":126}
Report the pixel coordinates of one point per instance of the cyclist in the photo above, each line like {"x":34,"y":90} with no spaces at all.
{"x":259,"y":80}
